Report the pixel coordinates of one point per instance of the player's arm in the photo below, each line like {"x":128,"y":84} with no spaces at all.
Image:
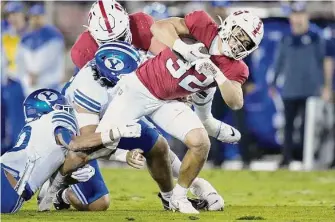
{"x":231,"y":90}
{"x":168,"y":31}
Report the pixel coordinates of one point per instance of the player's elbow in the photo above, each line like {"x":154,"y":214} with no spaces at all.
{"x":235,"y":103}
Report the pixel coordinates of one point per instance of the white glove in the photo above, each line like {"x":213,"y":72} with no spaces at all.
{"x":130,"y":130}
{"x":190,"y":52}
{"x":84,"y":173}
{"x":207,"y":67}
{"x":135,"y":158}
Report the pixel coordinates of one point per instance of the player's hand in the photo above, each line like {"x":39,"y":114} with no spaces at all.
{"x":207,"y":67}
{"x":84,"y":173}
{"x":130,"y":130}
{"x":135,"y":158}
{"x":191,"y":52}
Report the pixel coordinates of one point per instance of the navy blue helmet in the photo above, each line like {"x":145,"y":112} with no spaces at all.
{"x":43,"y":101}
{"x":114,"y":59}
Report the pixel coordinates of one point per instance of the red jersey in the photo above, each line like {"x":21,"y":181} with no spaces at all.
{"x":165,"y":77}
{"x":85,"y":47}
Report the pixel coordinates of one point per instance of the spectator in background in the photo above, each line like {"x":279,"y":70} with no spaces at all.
{"x":300,"y":59}
{"x":12,"y":28}
{"x":12,"y":97}
{"x":41,"y":53}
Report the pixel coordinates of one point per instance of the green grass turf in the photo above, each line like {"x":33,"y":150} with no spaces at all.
{"x":276,"y":196}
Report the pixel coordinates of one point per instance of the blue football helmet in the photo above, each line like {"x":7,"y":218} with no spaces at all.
{"x":43,"y":101}
{"x":114,"y":59}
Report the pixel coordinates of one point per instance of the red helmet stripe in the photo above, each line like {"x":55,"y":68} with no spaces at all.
{"x":104,"y":15}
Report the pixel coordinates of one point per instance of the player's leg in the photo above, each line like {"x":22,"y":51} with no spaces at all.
{"x":11,"y":201}
{"x":201,"y":188}
{"x":156,"y":152}
{"x":180,"y":121}
{"x":92,"y":195}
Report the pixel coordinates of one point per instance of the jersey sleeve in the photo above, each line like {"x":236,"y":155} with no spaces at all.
{"x":87,"y":93}
{"x":235,"y":70}
{"x":201,"y":26}
{"x":63,"y":119}
{"x":83,"y":49}
{"x":140,"y":24}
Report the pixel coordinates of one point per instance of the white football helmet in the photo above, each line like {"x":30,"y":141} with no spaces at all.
{"x":108,"y":21}
{"x":240,"y":23}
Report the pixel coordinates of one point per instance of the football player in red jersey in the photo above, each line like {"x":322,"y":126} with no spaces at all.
{"x":158,"y":83}
{"x":107,"y":22}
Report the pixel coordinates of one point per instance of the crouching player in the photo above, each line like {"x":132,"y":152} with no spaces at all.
{"x":90,"y":92}
{"x":40,"y":149}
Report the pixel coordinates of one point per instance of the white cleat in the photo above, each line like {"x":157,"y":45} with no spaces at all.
{"x":46,"y":196}
{"x":43,"y":191}
{"x":182,"y":205}
{"x":205,"y":191}
{"x":224,"y":133}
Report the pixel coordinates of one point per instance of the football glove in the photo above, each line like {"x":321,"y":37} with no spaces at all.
{"x":130,"y":130}
{"x":84,"y":173}
{"x":191,"y":52}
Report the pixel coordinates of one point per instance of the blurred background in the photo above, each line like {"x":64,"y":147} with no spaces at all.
{"x":288,"y":117}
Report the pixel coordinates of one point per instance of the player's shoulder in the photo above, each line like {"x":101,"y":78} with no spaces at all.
{"x":199,"y":17}
{"x":140,"y":16}
{"x":61,"y":118}
{"x":201,"y":26}
{"x":87,"y":92}
{"x":83,"y":49}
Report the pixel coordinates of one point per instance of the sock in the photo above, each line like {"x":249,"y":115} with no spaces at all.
{"x":64,"y":197}
{"x":180,"y":191}
{"x":166,"y":195}
{"x":175,"y":164}
{"x":56,"y":183}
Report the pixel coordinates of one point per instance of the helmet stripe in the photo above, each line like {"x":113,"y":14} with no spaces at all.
{"x":104,"y":15}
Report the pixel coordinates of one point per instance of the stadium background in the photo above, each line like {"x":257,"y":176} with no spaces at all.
{"x":263,"y":116}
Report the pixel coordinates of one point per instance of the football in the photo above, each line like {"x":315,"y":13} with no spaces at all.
{"x":189,"y":40}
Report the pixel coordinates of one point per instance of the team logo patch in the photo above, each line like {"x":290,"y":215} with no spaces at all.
{"x":114,"y":64}
{"x":47,"y":96}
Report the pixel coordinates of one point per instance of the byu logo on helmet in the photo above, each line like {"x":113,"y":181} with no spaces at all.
{"x":115,"y":59}
{"x":114,"y":64}
{"x":47,"y":96}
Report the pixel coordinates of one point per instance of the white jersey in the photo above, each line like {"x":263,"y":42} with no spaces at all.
{"x":36,"y":150}
{"x":86,"y":92}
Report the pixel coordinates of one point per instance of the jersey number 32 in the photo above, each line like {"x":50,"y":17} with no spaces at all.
{"x":188,"y":79}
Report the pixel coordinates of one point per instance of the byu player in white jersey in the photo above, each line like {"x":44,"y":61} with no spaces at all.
{"x":39,"y":151}
{"x":90,"y":92}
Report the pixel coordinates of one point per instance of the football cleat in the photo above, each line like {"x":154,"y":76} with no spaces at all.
{"x":196,"y":203}
{"x":182,"y":205}
{"x":59,"y":204}
{"x":224,"y":133}
{"x":205,"y":191}
{"x":43,"y":191}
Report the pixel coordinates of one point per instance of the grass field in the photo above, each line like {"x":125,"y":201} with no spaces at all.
{"x":276,"y":196}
